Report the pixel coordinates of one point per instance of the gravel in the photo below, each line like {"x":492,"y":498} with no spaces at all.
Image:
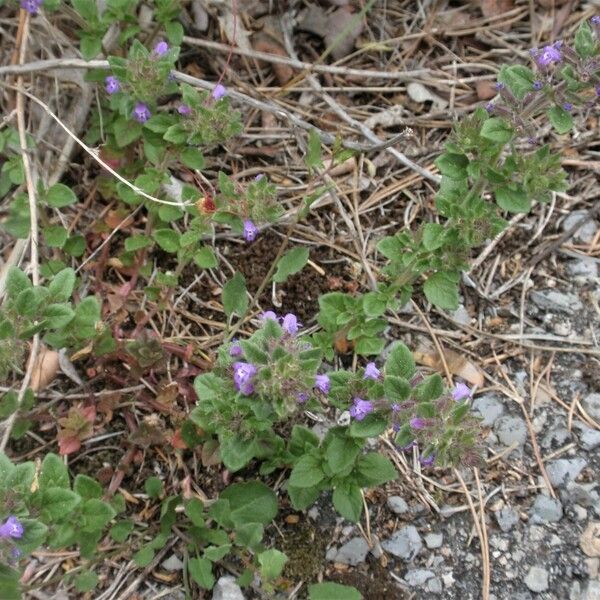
{"x":591,"y":404}
{"x":353,"y":552}
{"x":537,"y":579}
{"x":397,"y":505}
{"x":546,"y":510}
{"x":434,"y":540}
{"x":227,"y":589}
{"x":585,"y":268}
{"x":489,"y":407}
{"x":405,"y":543}
{"x":564,"y":470}
{"x":586,"y":232}
{"x":418,"y":577}
{"x":507,"y":518}
{"x":510,"y":430}
{"x":173,"y":563}
{"x":553,"y":300}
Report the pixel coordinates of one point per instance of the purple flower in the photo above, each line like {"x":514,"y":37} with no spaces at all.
{"x":417,"y":423}
{"x":290,"y":324}
{"x":184,"y":109}
{"x":461,"y":391}
{"x":322,"y":383}
{"x":371,"y":371}
{"x":361,"y":408}
{"x":250,"y":230}
{"x":538,"y":85}
{"x":499,"y":86}
{"x":31,"y":6}
{"x":567,"y":106}
{"x":427,"y":461}
{"x":161,"y":48}
{"x":141,"y":113}
{"x":112,"y":84}
{"x":302,"y":397}
{"x":11,"y":528}
{"x":219,"y":91}
{"x":243,"y":373}
{"x":235,"y":349}
{"x":268,"y":314}
{"x":598,"y":90}
{"x":595,"y":20}
{"x":396,"y":407}
{"x":259,"y":177}
{"x":408,"y":447}
{"x":490,"y":107}
{"x":548,"y":55}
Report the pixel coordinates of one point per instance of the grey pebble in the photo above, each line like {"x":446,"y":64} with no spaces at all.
{"x":557,"y":301}
{"x":227,"y":589}
{"x":507,"y":518}
{"x":489,"y":407}
{"x":586,"y":232}
{"x":510,"y":430}
{"x":397,"y":505}
{"x":591,"y":404}
{"x":173,"y":563}
{"x":583,"y":267}
{"x":546,"y":510}
{"x":434,"y":585}
{"x":353,"y":552}
{"x":537,"y":579}
{"x":564,"y":470}
{"x":592,"y":590}
{"x":582,"y":494}
{"x":405,"y":543}
{"x":417,"y":577}
{"x":434,"y":540}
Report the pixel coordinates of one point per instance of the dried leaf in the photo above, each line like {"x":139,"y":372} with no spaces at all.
{"x":263,"y":42}
{"x":485,"y":89}
{"x":419,"y":93}
{"x":337,"y":24}
{"x":590,"y":539}
{"x":495,"y":8}
{"x":457,"y":364}
{"x":45,"y":369}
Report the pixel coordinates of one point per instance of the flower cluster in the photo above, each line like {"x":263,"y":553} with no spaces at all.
{"x":31,"y":6}
{"x":12,"y":529}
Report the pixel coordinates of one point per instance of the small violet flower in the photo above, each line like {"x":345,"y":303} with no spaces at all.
{"x":302,"y":397}
{"x":371,"y":371}
{"x":31,"y":6}
{"x":361,"y":408}
{"x":490,"y":107}
{"x":259,"y":177}
{"x":322,"y":383}
{"x":417,"y":423}
{"x":461,"y":391}
{"x":161,"y":49}
{"x":548,"y":55}
{"x":427,"y":461}
{"x":11,"y":528}
{"x":184,"y":109}
{"x":243,"y":374}
{"x":250,"y":230}
{"x":112,"y":85}
{"x":595,"y":20}
{"x":268,"y":314}
{"x":538,"y":85}
{"x":235,"y":349}
{"x":141,"y":113}
{"x":396,"y":407}
{"x":567,"y":106}
{"x":219,"y":91}
{"x":290,"y":324}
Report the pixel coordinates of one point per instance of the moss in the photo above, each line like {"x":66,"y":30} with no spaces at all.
{"x":305,"y":547}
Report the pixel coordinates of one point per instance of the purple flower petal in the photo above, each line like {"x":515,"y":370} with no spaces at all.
{"x":461,"y":391}
{"x":290,"y":324}
{"x":141,"y":113}
{"x":418,"y":423}
{"x":548,"y":56}
{"x":268,"y":314}
{"x":184,"y":109}
{"x":161,"y":48}
{"x":361,"y":408}
{"x":243,"y":374}
{"x":322,"y":383}
{"x":219,"y":91}
{"x":250,"y":230}
{"x":11,"y":528}
{"x":371,"y":371}
{"x":112,"y":85}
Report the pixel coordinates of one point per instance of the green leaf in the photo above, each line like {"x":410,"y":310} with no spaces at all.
{"x":291,"y":262}
{"x":452,"y":165}
{"x":271,"y":563}
{"x":58,"y":315}
{"x":205,"y":258}
{"x":174,"y":32}
{"x":307,"y":472}
{"x":126,"y":131}
{"x":513,"y":199}
{"x":60,"y":195}
{"x":441,"y":291}
{"x":400,"y":362}
{"x":396,"y":389}
{"x":347,"y":500}
{"x":194,"y":509}
{"x":154,"y":487}
{"x":367,"y":346}
{"x":192,"y":158}
{"x":585,"y":45}
{"x":120,"y":531}
{"x":34,"y":535}
{"x":87,"y":487}
{"x":96,"y":514}
{"x":167,"y":239}
{"x":87,"y":10}
{"x":55,"y":236}
{"x":21,"y":478}
{"x":249,"y":535}
{"x":137,"y":242}
{"x":75,"y":245}
{"x":54,"y":473}
{"x":58,"y":503}
{"x":16,"y":282}
{"x":433,"y":236}
{"x":302,"y":498}
{"x":251,"y":502}
{"x":341,"y":453}
{"x":313,"y":153}
{"x":85,"y":581}
{"x":518,"y":78}
{"x":6,"y":468}
{"x":371,"y":426}
{"x":235,"y":299}
{"x":90,"y":46}
{"x":375,"y":469}
{"x":561,"y":120}
{"x":214,"y":553}
{"x":497,"y":130}
{"x":62,"y":284}
{"x":431,"y":388}
{"x":332,"y":591}
{"x":143,"y":557}
{"x":201,"y":571}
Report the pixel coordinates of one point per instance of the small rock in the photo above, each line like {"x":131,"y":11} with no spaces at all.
{"x":557,"y":301}
{"x":586,"y":268}
{"x":418,"y":577}
{"x":434,"y":585}
{"x":507,"y":518}
{"x":397,"y":505}
{"x":591,"y":405}
{"x":489,"y":407}
{"x":582,"y":494}
{"x":564,"y":470}
{"x":590,"y":439}
{"x":172,"y":563}
{"x":580,"y":513}
{"x":227,"y":589}
{"x":590,"y":539}
{"x":353,"y":552}
{"x":586,"y":232}
{"x":405,"y":543}
{"x":510,"y":430}
{"x":592,"y":590}
{"x":434,"y":540}
{"x":376,"y":550}
{"x":546,"y":510}
{"x":461,"y":315}
{"x":537,"y":579}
